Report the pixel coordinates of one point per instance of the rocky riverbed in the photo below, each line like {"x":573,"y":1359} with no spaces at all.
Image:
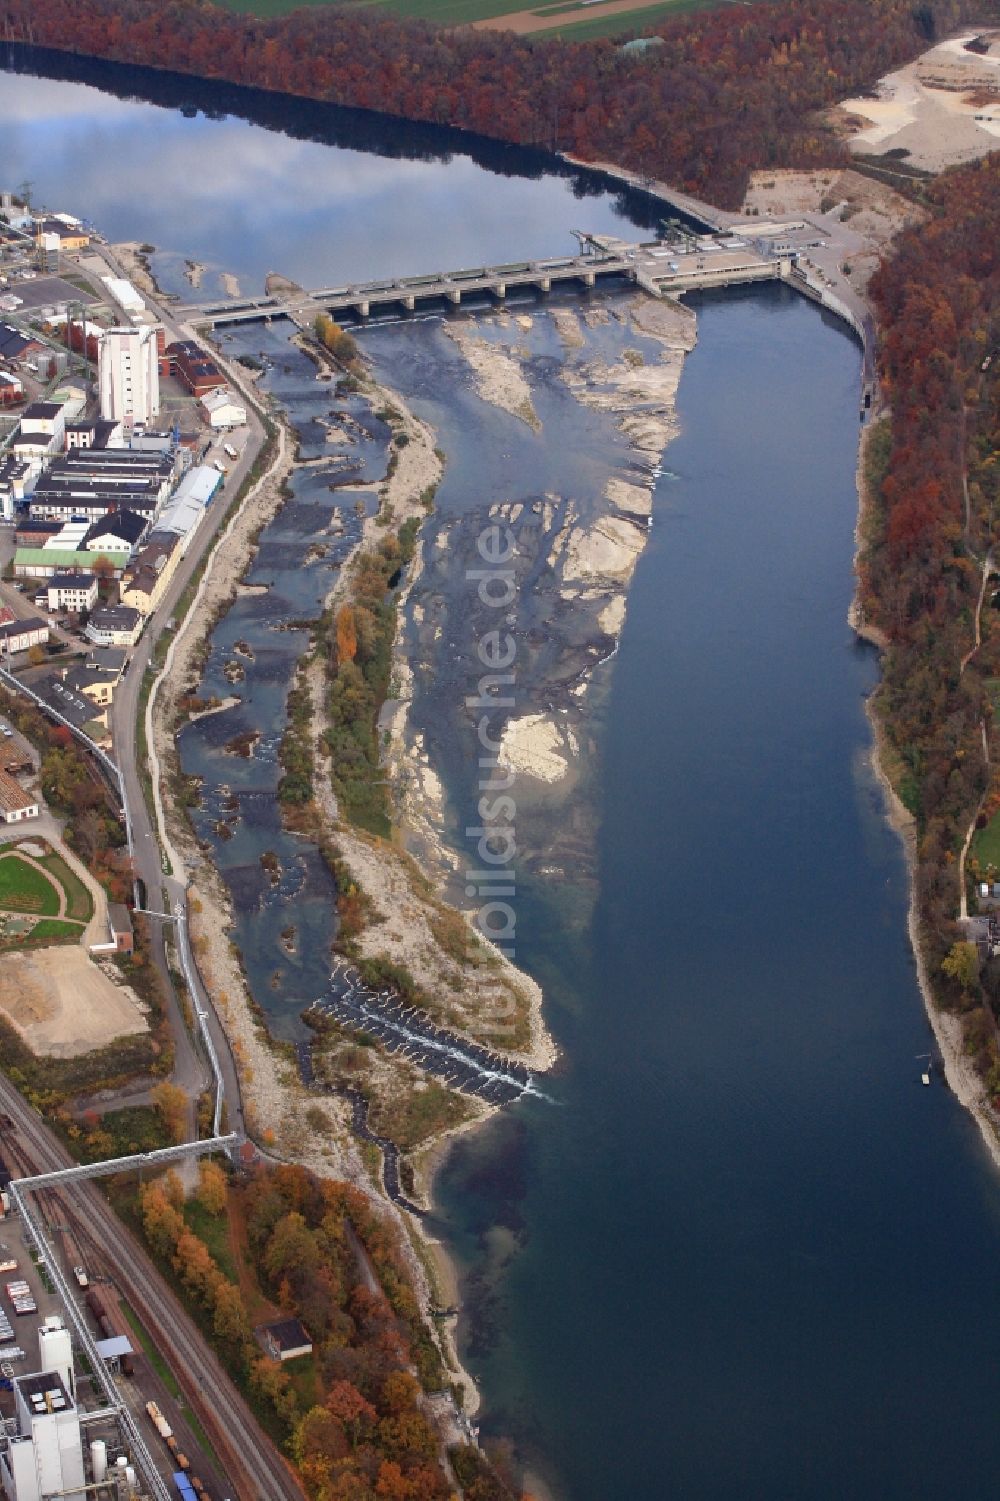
{"x":571,"y":411}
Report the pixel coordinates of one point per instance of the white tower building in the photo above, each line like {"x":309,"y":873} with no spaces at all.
{"x":129,"y":374}
{"x":55,"y":1350}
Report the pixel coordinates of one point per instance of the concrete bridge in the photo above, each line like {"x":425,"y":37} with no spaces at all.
{"x":714,"y":260}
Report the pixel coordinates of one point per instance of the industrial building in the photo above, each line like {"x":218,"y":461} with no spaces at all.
{"x":15,"y":345}
{"x":41,"y":430}
{"x":93,"y":432}
{"x":193,"y":367}
{"x":17,"y":477}
{"x":90,"y":482}
{"x":68,"y":231}
{"x":185,"y":510}
{"x":223,"y":410}
{"x":125,"y":294}
{"x":129,"y":374}
{"x":45,"y":1458}
{"x":21,"y":635}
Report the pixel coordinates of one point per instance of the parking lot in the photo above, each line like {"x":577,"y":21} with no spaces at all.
{"x":24,"y":1327}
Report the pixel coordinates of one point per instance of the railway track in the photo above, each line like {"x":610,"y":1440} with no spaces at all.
{"x":257,"y":1472}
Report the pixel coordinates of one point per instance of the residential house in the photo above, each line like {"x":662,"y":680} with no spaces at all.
{"x":145,"y":580}
{"x":109,"y":660}
{"x":81,"y":712}
{"x":72,"y":591}
{"x":96,"y":686}
{"x":285,"y":1339}
{"x":114,"y":625}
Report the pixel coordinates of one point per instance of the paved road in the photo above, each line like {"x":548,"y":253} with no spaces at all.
{"x":257,"y":1471}
{"x":162,"y":894}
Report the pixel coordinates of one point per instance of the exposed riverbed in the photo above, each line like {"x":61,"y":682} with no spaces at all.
{"x":746,"y":1254}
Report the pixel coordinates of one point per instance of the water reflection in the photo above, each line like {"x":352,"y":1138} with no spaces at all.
{"x":269,"y":193}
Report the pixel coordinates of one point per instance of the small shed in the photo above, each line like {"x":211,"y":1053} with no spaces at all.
{"x":120,"y":927}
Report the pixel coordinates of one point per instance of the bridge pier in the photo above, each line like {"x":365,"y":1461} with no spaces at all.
{"x":545,"y":284}
{"x":454,"y":295}
{"x":589,"y":279}
{"x":500,"y":290}
{"x":363,"y":308}
{"x":409,"y":303}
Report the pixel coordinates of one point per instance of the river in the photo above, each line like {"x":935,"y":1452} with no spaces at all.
{"x":743,"y":1251}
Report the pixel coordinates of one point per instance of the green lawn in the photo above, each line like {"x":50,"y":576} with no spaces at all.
{"x":54,"y":930}
{"x":25,"y":889}
{"x":986,"y":844}
{"x":213,"y":1229}
{"x":78,"y":899}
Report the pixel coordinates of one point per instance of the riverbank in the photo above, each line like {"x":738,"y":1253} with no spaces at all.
{"x":960,"y":1072}
{"x":283,"y":1114}
{"x":959,"y":1069}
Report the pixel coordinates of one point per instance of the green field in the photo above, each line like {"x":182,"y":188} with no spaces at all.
{"x":461,"y":12}
{"x":54,"y":930}
{"x":79,"y":904}
{"x":25,"y":889}
{"x":986,"y":844}
{"x":641,"y":19}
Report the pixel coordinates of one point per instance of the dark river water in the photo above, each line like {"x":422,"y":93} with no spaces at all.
{"x":743,"y":1253}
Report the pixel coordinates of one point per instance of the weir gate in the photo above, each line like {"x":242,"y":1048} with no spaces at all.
{"x":687,"y":262}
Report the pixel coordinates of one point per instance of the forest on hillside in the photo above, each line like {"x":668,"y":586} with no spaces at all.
{"x":352,"y":1414}
{"x":933,"y":523}
{"x":730,"y":90}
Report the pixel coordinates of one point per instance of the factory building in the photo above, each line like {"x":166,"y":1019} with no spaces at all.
{"x":129,"y":374}
{"x":45,"y":1457}
{"x":185,"y":510}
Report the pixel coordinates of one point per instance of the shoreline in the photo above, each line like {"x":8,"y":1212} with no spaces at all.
{"x":960,"y":1074}
{"x":273,"y":1092}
